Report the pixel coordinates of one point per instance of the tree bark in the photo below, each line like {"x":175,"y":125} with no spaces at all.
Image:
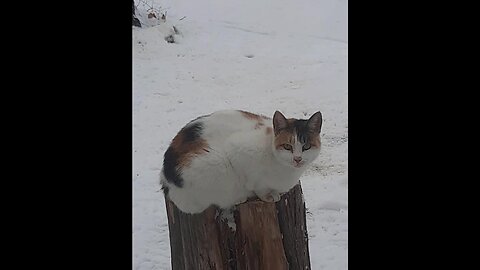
{"x":266,"y":236}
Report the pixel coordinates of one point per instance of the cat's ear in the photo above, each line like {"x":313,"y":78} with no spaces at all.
{"x":315,"y":122}
{"x":279,"y":122}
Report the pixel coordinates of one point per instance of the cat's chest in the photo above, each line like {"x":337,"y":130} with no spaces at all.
{"x":262,"y":172}
{"x":268,"y":179}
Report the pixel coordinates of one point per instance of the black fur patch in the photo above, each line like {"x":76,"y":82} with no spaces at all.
{"x":170,"y":162}
{"x":302,"y":130}
{"x":190,"y":133}
{"x":165,"y":190}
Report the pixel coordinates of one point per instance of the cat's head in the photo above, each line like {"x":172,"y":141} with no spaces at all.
{"x":296,"y":142}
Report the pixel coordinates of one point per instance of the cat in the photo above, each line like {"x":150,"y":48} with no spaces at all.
{"x":229,"y":156}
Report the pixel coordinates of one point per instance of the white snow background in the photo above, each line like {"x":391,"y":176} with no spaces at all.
{"x":253,"y":55}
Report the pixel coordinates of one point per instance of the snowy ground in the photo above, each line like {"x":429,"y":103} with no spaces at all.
{"x":259,"y":56}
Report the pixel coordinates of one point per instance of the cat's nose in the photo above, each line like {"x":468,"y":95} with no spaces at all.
{"x":297,"y":159}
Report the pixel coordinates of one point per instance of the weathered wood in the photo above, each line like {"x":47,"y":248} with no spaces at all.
{"x":267,"y":236}
{"x":293,"y":221}
{"x":258,"y":238}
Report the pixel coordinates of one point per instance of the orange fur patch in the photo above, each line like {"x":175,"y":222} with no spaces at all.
{"x":251,"y":116}
{"x":315,"y":141}
{"x":255,"y":117}
{"x":282,"y":138}
{"x":187,"y":150}
{"x":259,"y":125}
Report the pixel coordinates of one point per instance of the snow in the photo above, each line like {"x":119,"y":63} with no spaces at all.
{"x":227,"y":214}
{"x":258,"y":56}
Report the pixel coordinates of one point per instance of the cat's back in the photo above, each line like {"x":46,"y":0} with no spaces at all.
{"x":198,"y":166}
{"x":210,"y":139}
{"x":222,"y":124}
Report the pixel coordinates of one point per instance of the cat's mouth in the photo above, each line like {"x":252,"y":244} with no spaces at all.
{"x":298,"y":165}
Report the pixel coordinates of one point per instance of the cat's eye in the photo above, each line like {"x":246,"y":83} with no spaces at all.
{"x":287,"y":147}
{"x":306,"y":147}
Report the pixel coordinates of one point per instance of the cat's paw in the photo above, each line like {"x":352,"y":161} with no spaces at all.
{"x":266,"y":198}
{"x":270,"y":197}
{"x":275,"y":195}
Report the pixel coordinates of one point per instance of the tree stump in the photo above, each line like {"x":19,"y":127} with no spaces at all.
{"x":264,"y":236}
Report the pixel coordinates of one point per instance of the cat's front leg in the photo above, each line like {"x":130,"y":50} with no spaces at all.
{"x":272,"y":196}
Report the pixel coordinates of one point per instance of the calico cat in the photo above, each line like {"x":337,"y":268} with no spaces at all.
{"x":229,"y":156}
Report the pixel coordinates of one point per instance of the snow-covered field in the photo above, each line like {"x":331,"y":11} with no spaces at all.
{"x":258,"y":56}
